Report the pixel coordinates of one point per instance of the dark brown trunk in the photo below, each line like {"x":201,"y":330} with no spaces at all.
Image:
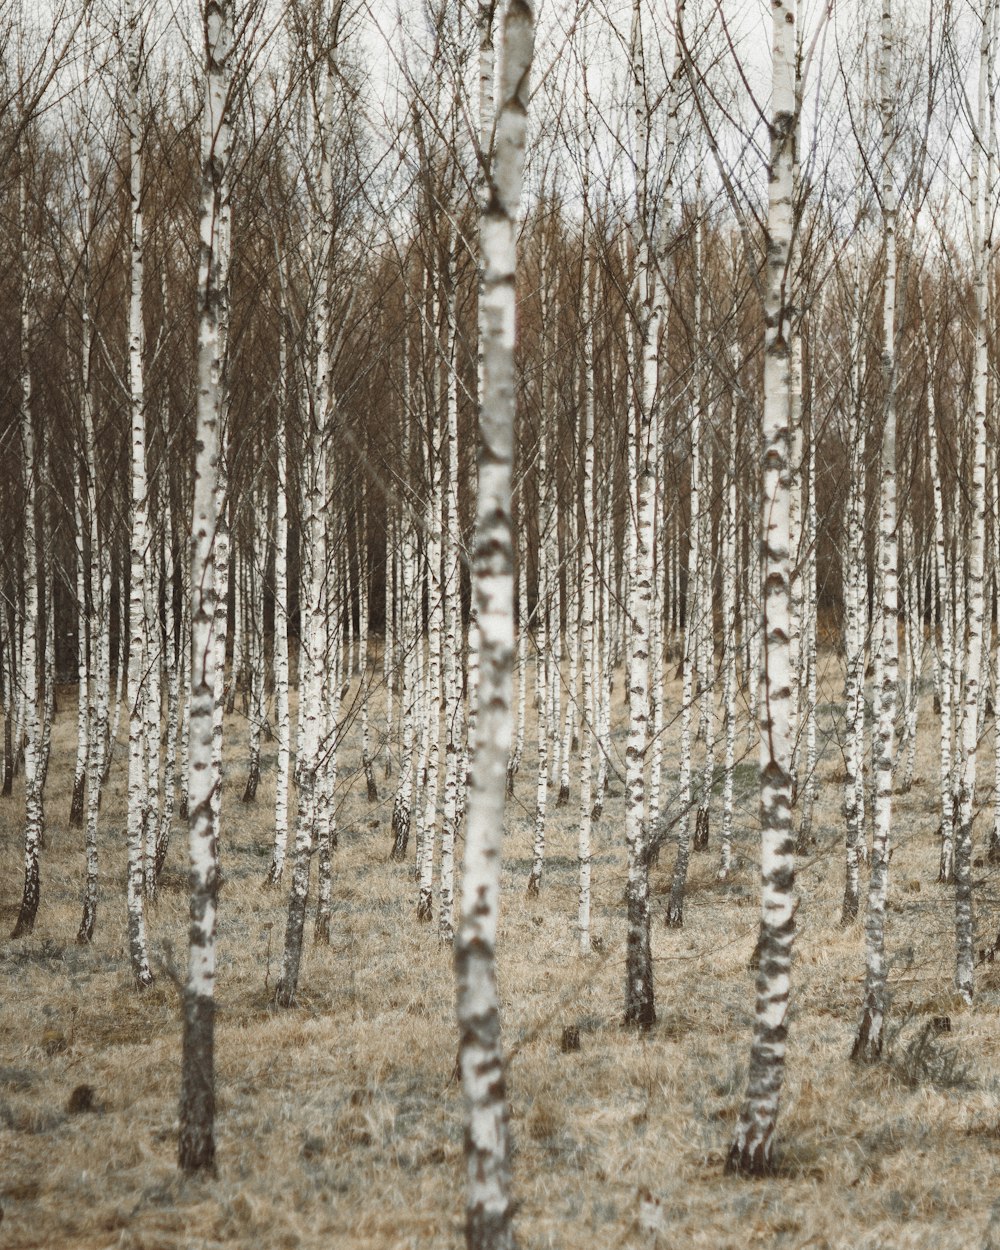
{"x":196,"y":1145}
{"x":162,"y":846}
{"x":400,"y":833}
{"x":29,"y":899}
{"x":868,"y":1043}
{"x":85,"y":933}
{"x":253,"y":779}
{"x":8,"y":757}
{"x":284,"y":994}
{"x":640,"y":1012}
{"x":76,"y":806}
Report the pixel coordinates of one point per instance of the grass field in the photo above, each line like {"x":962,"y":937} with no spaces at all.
{"x":340,"y":1120}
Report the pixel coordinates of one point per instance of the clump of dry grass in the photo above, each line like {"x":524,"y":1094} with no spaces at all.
{"x":340,"y":1122}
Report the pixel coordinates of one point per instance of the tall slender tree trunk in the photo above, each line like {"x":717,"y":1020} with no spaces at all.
{"x":34,"y":814}
{"x":435,"y":630}
{"x":982,"y":217}
{"x":543,"y":661}
{"x":320,"y":627}
{"x":82,"y":662}
{"x":196,"y":1140}
{"x":729,"y":580}
{"x":869,"y":1041}
{"x":451,"y":589}
{"x":809,"y":786}
{"x":488,"y":1205}
{"x":98,"y":625}
{"x":640,"y":1011}
{"x":409,"y":637}
{"x":856,"y":613}
{"x":283,"y":725}
{"x":173,"y":671}
{"x":138,"y":545}
{"x":751,"y":1150}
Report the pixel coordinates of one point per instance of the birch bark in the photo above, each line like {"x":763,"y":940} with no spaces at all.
{"x":281,"y":624}
{"x":588,"y":552}
{"x":869,"y":1041}
{"x":318,"y":573}
{"x":100,"y":568}
{"x":640,"y":1011}
{"x":855,"y":602}
{"x":982,"y":216}
{"x":137,"y":777}
{"x":751,"y":1150}
{"x":34,"y":814}
{"x":82,"y":661}
{"x":489,"y":1209}
{"x":196,"y":1142}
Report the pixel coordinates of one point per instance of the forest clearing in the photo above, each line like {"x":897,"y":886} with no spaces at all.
{"x":340,"y":1122}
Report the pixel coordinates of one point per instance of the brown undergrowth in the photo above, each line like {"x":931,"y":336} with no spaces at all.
{"x":340,"y":1121}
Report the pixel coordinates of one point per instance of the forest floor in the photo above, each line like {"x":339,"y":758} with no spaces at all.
{"x":339,"y":1121}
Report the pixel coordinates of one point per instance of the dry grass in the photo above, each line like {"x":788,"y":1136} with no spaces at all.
{"x":340,"y":1121}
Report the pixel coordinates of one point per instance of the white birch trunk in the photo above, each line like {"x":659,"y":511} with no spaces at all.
{"x":809,"y":785}
{"x":82,"y":662}
{"x":173,"y":676}
{"x":327,"y":671}
{"x":588,"y":560}
{"x":138,"y":545}
{"x":100,"y":576}
{"x":543,"y":660}
{"x":152,"y":706}
{"x":255,"y":566}
{"x":197,"y":1104}
{"x":546,"y":604}
{"x":489,"y":1210}
{"x":855,"y":612}
{"x":28,"y":680}
{"x":283,"y":725}
{"x":640,"y":1011}
{"x":390,"y":659}
{"x":675,"y":904}
{"x":435,"y":629}
{"x":318,"y":574}
{"x":371,"y":788}
{"x":752,"y":1146}
{"x":729,"y":642}
{"x":982,"y":217}
{"x":451,"y":589}
{"x":869,"y":1041}
{"x":409,"y":638}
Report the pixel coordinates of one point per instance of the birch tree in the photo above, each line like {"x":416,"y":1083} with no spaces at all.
{"x":752,"y":1147}
{"x":489,"y":1209}
{"x":196,"y":1141}
{"x":868,"y":1043}
{"x":34,"y":820}
{"x":138,"y":542}
{"x":312,"y":820}
{"x":982,"y":216}
{"x":640,"y":1011}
